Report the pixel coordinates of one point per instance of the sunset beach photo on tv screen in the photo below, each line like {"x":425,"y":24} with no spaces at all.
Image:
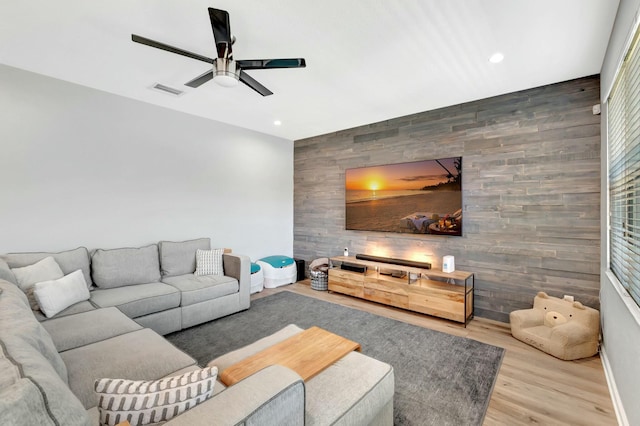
{"x":419,"y":197}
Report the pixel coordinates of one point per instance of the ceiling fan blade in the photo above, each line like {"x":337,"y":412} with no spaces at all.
{"x":258,"y":64}
{"x":162,"y":46}
{"x":251,"y":82}
{"x":221,"y":32}
{"x":200,"y":80}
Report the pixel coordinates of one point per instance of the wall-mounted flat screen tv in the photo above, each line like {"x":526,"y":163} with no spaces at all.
{"x":420,"y":197}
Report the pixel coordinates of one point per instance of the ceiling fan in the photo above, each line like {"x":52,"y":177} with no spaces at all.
{"x":226,"y":71}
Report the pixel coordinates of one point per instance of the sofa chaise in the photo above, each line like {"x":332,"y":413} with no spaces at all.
{"x":49,"y":372}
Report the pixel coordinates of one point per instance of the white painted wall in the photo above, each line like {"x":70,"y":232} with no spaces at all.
{"x":620,"y":314}
{"x":83,"y":167}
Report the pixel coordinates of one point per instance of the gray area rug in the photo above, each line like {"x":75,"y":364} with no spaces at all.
{"x":440,"y":379}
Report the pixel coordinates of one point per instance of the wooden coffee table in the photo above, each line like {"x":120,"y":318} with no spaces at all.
{"x":307,"y":353}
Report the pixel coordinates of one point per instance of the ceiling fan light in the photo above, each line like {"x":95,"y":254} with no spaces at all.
{"x":226,"y":80}
{"x":225,"y":72}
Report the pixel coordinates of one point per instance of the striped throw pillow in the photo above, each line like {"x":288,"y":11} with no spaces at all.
{"x":149,"y":402}
{"x":209,"y":262}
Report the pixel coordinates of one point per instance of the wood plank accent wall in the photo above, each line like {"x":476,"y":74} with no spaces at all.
{"x":531,"y":192}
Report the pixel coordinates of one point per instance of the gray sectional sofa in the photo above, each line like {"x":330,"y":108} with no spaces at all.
{"x":49,"y":366}
{"x":155,"y":285}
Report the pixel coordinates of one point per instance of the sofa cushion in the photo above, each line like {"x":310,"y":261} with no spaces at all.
{"x":9,"y":372}
{"x":197,"y":289}
{"x":84,"y":328}
{"x":163,"y":322}
{"x":57,"y":295}
{"x":69,"y":260}
{"x":209,"y":262}
{"x":138,"y":300}
{"x":144,"y":402}
{"x":365,"y":385}
{"x":6,"y":273}
{"x":179,"y":258}
{"x":125,"y":266}
{"x":139,"y":355}
{"x":22,"y":404}
{"x":43,"y":270}
{"x":21,"y":333}
{"x":38,"y":393}
{"x":21,"y":401}
{"x":71,"y":310}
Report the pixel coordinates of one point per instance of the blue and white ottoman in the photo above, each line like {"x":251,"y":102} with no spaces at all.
{"x":257,"y":278}
{"x":278,"y":270}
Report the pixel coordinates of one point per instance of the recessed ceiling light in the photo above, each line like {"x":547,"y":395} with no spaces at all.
{"x":277,"y":123}
{"x":496,"y":58}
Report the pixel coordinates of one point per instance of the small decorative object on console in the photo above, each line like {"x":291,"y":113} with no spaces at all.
{"x":448,"y":264}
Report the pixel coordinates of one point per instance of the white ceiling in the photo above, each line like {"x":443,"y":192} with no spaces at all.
{"x":367,"y":60}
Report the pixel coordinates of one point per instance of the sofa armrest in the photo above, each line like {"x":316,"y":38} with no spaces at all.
{"x":573,"y":341}
{"x":6,"y":273}
{"x":274,"y":395}
{"x":525,"y":318}
{"x":572,"y":333}
{"x":238,"y":266}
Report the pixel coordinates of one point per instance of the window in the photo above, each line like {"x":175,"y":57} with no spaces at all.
{"x":624,"y":172}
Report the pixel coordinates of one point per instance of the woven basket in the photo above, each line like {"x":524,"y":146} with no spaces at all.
{"x":319,"y":280}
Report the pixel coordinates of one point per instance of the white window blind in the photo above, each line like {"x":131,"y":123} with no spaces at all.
{"x":624,"y":172}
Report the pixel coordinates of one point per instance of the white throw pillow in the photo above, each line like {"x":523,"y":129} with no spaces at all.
{"x":209,"y":262}
{"x":147,"y":402}
{"x":46,"y":269}
{"x":56,"y":295}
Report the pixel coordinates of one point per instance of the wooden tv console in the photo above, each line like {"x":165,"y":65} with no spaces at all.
{"x":429,"y":291}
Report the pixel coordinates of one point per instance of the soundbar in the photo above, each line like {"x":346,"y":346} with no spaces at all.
{"x":402,"y":262}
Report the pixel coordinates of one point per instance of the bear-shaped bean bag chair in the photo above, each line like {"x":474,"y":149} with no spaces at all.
{"x":562,"y":328}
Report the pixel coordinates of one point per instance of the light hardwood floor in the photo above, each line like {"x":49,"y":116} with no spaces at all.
{"x":532,"y":387}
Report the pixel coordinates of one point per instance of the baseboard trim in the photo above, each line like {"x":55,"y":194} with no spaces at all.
{"x":613,"y":389}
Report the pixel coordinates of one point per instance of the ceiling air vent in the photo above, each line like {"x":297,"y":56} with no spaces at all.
{"x":166,"y":89}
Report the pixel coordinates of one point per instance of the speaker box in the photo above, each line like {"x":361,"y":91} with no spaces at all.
{"x":353,"y":267}
{"x":300,"y":269}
